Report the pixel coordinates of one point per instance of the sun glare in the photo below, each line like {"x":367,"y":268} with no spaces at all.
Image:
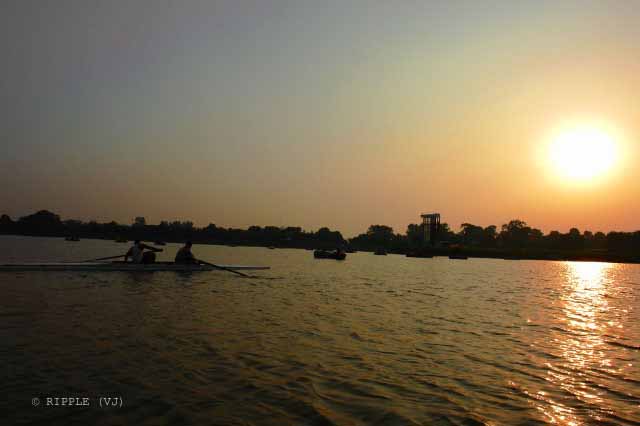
{"x":583,"y":153}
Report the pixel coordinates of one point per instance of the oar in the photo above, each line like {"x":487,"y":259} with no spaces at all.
{"x":223,"y":268}
{"x":103,"y":258}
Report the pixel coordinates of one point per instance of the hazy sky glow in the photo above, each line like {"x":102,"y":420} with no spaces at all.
{"x":316,"y":113}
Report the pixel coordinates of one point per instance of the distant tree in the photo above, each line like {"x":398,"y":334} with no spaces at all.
{"x":212,"y":233}
{"x":415,"y":235}
{"x":489,"y":236}
{"x":475,"y":235}
{"x":94,"y":228}
{"x":574,"y":239}
{"x":620,"y":241}
{"x":471,"y":234}
{"x":72,"y":226}
{"x":599,"y":240}
{"x":635,"y":242}
{"x":324,"y":234}
{"x":41,"y":223}
{"x":140,"y":221}
{"x":446,"y":234}
{"x":587,"y":236}
{"x":535,"y":238}
{"x":272,"y":234}
{"x":515,"y":234}
{"x":6,"y":224}
{"x":292,"y":233}
{"x":380,"y":234}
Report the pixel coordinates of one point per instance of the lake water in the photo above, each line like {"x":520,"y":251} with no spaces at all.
{"x":371,"y":340}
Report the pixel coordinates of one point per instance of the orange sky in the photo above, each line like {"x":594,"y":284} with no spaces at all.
{"x":343,"y":114}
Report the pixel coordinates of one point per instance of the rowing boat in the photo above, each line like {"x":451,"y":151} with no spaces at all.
{"x":121,"y":267}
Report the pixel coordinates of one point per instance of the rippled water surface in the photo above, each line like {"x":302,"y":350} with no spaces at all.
{"x":371,"y":340}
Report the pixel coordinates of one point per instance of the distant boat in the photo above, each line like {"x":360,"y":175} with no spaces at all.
{"x":121,"y":240}
{"x":380,"y":252}
{"x":272,"y":248}
{"x":324,"y":254}
{"x":72,"y":238}
{"x":159,"y":243}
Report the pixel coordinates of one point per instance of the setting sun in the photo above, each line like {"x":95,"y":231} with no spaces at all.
{"x":583,"y":153}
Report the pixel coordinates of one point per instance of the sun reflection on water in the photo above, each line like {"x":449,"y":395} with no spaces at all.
{"x":578,"y":341}
{"x":584,"y":301}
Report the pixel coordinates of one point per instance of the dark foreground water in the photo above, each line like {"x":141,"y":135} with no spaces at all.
{"x":372,"y":340}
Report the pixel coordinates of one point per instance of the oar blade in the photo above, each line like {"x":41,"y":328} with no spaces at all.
{"x":223,"y":268}
{"x":103,"y":258}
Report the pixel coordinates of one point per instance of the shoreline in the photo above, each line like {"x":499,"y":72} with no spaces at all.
{"x":424,"y":253}
{"x":573,"y":256}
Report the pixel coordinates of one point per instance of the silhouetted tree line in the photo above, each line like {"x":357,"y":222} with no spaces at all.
{"x":45,"y":223}
{"x":515,"y":237}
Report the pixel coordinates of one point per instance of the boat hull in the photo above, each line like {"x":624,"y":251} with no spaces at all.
{"x":121,"y":267}
{"x":322,"y":254}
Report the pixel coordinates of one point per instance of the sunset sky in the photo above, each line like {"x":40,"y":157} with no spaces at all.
{"x":319,"y":113}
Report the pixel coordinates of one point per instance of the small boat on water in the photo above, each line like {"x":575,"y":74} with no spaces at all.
{"x":159,"y":243}
{"x":121,"y":240}
{"x":324,"y":254}
{"x":120,"y":266}
{"x":380,"y":252}
{"x":72,"y":238}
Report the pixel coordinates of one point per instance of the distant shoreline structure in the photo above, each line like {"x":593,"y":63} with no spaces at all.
{"x":514,"y":241}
